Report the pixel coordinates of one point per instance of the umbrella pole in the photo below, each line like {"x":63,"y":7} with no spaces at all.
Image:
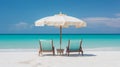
{"x":60,"y":38}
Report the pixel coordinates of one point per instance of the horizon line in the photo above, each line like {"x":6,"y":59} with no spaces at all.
{"x":64,"y":34}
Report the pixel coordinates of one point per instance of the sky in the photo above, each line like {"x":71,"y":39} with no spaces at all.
{"x":19,"y":16}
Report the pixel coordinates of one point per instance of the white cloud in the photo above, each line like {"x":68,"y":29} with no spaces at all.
{"x":96,"y":19}
{"x":118,"y":14}
{"x":22,"y":26}
{"x":112,"y":22}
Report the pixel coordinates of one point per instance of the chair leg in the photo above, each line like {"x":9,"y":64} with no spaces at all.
{"x":82,"y":53}
{"x":53,"y":52}
{"x":39,"y":53}
{"x":68,"y":53}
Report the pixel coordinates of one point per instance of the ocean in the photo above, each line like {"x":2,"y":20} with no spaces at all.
{"x":31,"y":41}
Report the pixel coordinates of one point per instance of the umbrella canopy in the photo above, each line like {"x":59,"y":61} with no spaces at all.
{"x":62,"y":21}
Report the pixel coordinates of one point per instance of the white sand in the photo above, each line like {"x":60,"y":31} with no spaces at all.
{"x":31,"y":59}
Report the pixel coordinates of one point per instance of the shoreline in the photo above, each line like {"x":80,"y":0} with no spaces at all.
{"x":37,"y":49}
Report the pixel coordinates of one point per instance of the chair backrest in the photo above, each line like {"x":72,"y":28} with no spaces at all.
{"x":75,"y":45}
{"x":46,"y":45}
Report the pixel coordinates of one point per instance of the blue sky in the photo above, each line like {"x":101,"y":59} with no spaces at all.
{"x":18,"y":16}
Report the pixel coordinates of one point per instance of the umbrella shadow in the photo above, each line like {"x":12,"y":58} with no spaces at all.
{"x":77,"y":55}
{"x":89,"y":55}
{"x":47,"y":55}
{"x":71,"y":55}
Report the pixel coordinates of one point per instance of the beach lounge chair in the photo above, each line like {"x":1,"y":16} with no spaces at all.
{"x":46,"y":46}
{"x":74,"y":46}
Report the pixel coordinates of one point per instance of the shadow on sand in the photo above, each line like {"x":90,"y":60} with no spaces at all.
{"x":77,"y":55}
{"x":72,"y":55}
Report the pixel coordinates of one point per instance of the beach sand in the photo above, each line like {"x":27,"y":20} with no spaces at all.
{"x":31,"y":59}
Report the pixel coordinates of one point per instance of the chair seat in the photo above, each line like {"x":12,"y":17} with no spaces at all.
{"x":47,"y":48}
{"x":74,"y":48}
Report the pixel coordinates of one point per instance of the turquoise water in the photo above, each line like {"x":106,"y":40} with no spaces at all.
{"x":32,"y":41}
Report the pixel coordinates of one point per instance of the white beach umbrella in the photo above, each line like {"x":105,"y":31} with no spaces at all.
{"x":61,"y":21}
